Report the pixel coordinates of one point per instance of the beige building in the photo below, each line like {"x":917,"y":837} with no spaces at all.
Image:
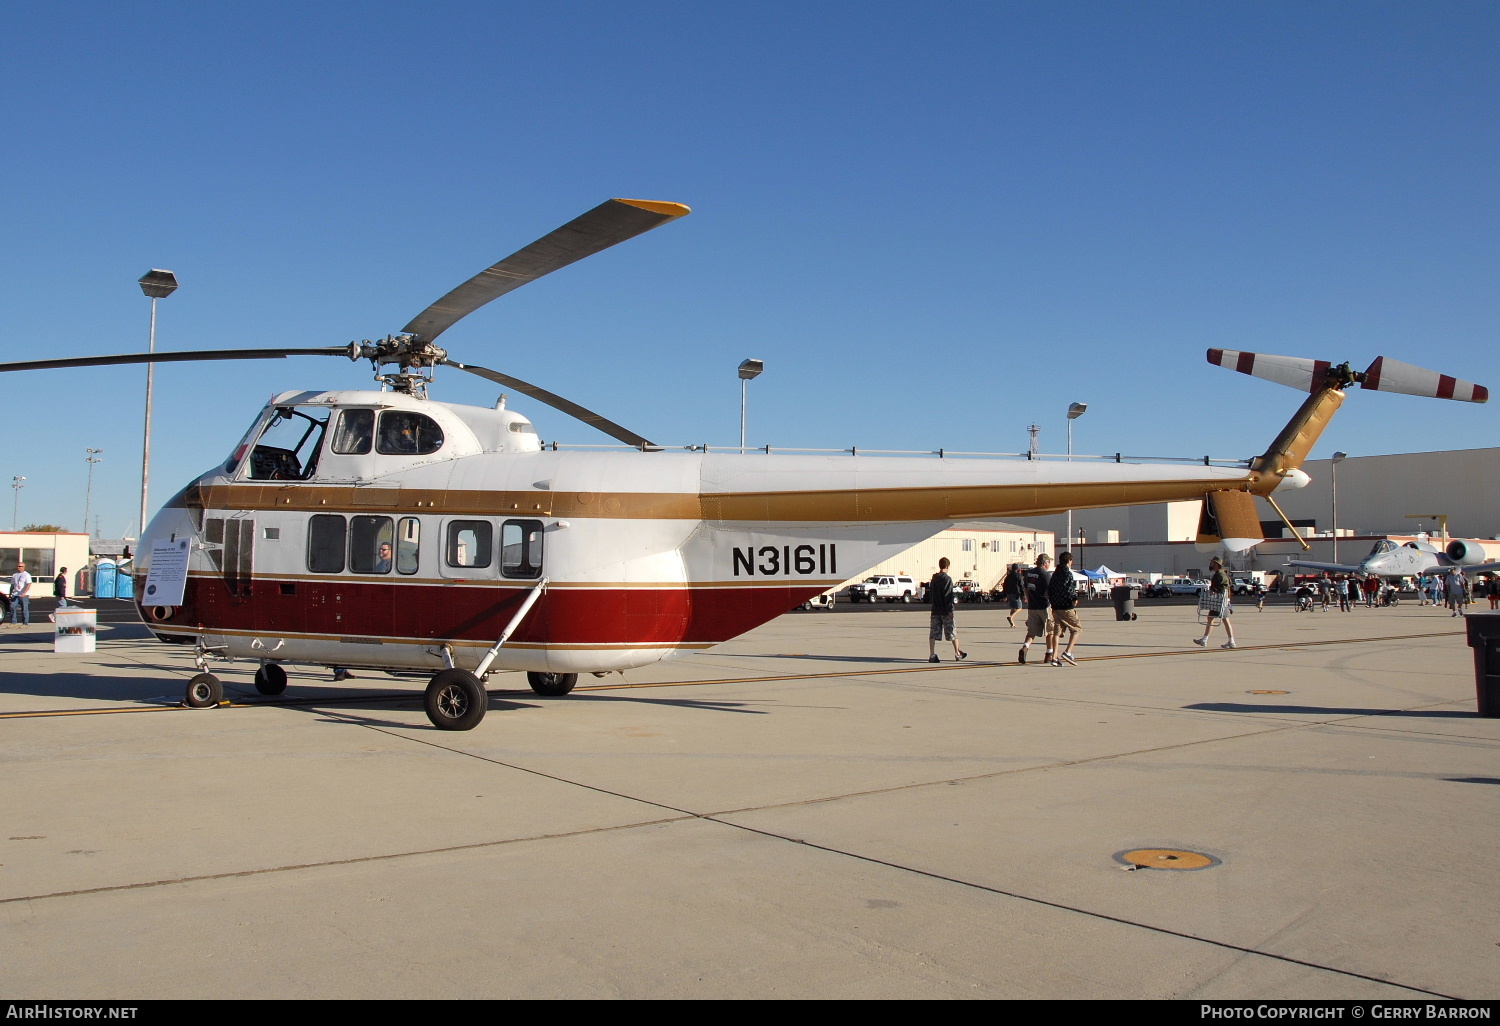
{"x":977,"y":550}
{"x":44,"y":553}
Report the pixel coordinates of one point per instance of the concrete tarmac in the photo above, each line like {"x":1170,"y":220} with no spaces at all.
{"x":811,"y":810}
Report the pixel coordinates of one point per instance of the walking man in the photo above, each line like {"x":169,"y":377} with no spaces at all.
{"x":60,"y":587}
{"x":1038,"y":624}
{"x":20,"y":597}
{"x":1062,"y":595}
{"x":1014,"y":591}
{"x":1458,"y":585}
{"x":1215,"y":602}
{"x":940,"y":594}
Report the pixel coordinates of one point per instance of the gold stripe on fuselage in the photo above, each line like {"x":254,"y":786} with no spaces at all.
{"x":844,"y":506}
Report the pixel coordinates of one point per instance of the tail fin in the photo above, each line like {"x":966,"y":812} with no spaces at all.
{"x":1229,"y":519}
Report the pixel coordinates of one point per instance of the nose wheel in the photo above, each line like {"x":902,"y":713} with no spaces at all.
{"x":455,"y":700}
{"x":204,"y":691}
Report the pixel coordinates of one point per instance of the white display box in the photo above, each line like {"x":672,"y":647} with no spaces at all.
{"x":75,"y":629}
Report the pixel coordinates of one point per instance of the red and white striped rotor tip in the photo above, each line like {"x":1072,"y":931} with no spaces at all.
{"x":1384,"y":375}
{"x":1387,"y":375}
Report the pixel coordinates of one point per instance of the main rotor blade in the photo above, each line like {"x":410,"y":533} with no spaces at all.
{"x":557,"y":402}
{"x":202,"y":354}
{"x":610,"y":222}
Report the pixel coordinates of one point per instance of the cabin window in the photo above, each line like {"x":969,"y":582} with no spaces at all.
{"x":325,"y":544}
{"x":408,"y":545}
{"x":371,"y":545}
{"x":288,"y":448}
{"x":521,"y":548}
{"x":469,"y":543}
{"x":405,"y":433}
{"x":355,"y":432}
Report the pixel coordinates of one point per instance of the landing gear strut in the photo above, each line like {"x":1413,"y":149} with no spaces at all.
{"x":455,"y":700}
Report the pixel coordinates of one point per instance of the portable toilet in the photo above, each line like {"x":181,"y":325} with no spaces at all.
{"x":104,"y":579}
{"x":125,"y":581}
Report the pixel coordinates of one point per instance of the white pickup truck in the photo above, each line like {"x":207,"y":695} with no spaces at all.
{"x":890,"y":587}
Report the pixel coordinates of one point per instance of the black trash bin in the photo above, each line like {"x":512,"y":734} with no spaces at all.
{"x":1124,"y":597}
{"x":1484,"y":639}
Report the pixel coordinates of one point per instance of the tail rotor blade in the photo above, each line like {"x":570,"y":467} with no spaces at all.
{"x":1293,"y":371}
{"x":1387,"y":375}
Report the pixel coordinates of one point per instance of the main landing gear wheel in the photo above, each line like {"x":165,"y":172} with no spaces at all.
{"x":553,"y":685}
{"x":204,"y":691}
{"x":270,"y":679}
{"x":455,"y":700}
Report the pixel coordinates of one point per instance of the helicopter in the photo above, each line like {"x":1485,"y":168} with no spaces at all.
{"x":384,"y":530}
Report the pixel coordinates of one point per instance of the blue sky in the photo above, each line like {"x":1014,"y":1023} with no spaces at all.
{"x":937,"y":223}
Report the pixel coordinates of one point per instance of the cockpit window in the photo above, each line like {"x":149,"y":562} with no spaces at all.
{"x":288,"y":448}
{"x":404,"y":433}
{"x":1383,"y":545}
{"x":355,"y":432}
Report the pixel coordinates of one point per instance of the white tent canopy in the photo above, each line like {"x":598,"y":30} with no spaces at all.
{"x":1103,"y":571}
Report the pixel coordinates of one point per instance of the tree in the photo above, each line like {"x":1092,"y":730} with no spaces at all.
{"x":45,"y":528}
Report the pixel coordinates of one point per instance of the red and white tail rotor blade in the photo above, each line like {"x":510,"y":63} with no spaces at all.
{"x":1387,"y":375}
{"x":1294,"y":371}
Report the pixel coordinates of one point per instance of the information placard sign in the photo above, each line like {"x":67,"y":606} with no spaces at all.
{"x":167,"y":578}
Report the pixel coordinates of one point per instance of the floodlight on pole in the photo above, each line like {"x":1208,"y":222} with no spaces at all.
{"x":155,"y":284}
{"x":17,"y":482}
{"x":1333,"y":477}
{"x":91,"y":456}
{"x":748,"y":369}
{"x":1075,"y":410}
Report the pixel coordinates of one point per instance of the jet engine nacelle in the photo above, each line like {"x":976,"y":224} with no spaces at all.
{"x":1465,"y":553}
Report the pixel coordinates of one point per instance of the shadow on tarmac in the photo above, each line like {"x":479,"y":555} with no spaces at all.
{"x":1318,"y":710}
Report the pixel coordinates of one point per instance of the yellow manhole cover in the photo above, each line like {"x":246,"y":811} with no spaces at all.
{"x":1165,"y":858}
{"x":1268,"y":692}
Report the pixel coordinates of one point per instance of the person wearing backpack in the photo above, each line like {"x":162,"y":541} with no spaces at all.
{"x":1062,"y":595}
{"x":1215,"y":603}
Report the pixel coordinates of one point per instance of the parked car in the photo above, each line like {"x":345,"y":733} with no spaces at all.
{"x":969,"y":591}
{"x":823,"y":601}
{"x":882,"y":586}
{"x":1186,"y":587}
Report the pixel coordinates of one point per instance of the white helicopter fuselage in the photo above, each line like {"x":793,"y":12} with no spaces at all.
{"x":641,"y":555}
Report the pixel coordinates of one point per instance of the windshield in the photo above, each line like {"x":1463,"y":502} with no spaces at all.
{"x":1383,"y":545}
{"x":287,"y":449}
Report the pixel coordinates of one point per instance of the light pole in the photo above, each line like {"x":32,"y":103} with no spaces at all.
{"x":155,"y":284}
{"x":748,"y":370}
{"x":91,"y":456}
{"x":15,"y":509}
{"x":1333,"y":476}
{"x":1074,"y":412}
